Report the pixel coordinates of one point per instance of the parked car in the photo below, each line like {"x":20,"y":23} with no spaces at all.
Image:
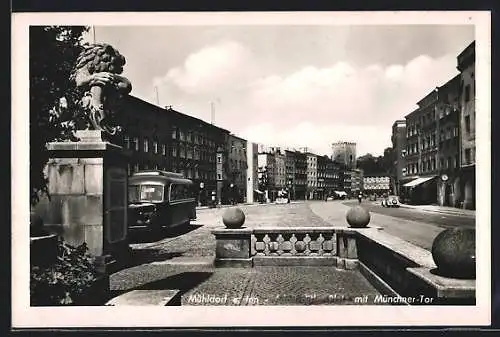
{"x":391,"y":201}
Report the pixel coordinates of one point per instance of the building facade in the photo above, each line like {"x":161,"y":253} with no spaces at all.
{"x":280,"y":170}
{"x":398,"y":140}
{"x":290,"y":163}
{"x":448,"y":114}
{"x":237,"y":167}
{"x":344,"y":153}
{"x":300,"y":175}
{"x":377,"y":184}
{"x":356,"y":181}
{"x":422,"y":152}
{"x":466,"y":66}
{"x":312,"y":176}
{"x":266,"y":169}
{"x":163,"y":138}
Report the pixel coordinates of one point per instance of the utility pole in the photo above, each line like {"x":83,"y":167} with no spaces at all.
{"x":157,"y":95}
{"x":212,"y":113}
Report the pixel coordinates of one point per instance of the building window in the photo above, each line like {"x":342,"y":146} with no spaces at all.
{"x":174,"y":151}
{"x":467,"y":124}
{"x":126,"y":142}
{"x":146,"y":145}
{"x":468,"y":156}
{"x":174,"y":133}
{"x":136,"y":167}
{"x":467,"y":92}
{"x":155,"y":146}
{"x":136,"y":143}
{"x":219,"y":176}
{"x":181,"y":135}
{"x":164,"y":149}
{"x":219,"y":158}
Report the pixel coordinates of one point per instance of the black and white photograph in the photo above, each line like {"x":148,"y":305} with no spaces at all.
{"x":241,"y":169}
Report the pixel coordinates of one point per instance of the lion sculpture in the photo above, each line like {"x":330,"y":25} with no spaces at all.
{"x":97,"y":73}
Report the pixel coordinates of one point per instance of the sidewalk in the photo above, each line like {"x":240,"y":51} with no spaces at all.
{"x":248,"y":204}
{"x":202,"y":284}
{"x":443,"y":209}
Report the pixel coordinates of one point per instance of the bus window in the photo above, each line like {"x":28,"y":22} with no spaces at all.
{"x":133,"y":193}
{"x":151,"y":193}
{"x":178,"y":192}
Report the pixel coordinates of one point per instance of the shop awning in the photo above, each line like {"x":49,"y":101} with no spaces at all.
{"x":418,"y":181}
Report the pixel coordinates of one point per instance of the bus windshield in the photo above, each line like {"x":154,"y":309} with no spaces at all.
{"x":145,"y":193}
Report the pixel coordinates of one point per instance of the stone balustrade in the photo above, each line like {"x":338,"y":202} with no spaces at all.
{"x":334,"y":246}
{"x":394,"y":266}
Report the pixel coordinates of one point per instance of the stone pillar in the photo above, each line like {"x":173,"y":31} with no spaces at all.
{"x":88,"y":188}
{"x":441,"y":189}
{"x":251,"y":174}
{"x":456,"y":192}
{"x":347,"y":250}
{"x":468,"y":194}
{"x":233,"y":247}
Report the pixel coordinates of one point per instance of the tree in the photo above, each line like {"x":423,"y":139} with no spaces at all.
{"x":53,"y":98}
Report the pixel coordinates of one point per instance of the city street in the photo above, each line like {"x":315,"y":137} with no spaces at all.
{"x":438,"y":219}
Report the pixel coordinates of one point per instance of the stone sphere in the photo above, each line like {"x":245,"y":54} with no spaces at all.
{"x":358,"y":217}
{"x":454,"y":252}
{"x":233,"y":217}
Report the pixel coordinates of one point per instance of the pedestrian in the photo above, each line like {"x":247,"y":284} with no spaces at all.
{"x":360,"y":197}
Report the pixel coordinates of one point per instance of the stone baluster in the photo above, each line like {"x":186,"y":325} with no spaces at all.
{"x":300,"y":245}
{"x":328,"y":246}
{"x":273,"y":244}
{"x":286,"y":244}
{"x":314,"y":245}
{"x":260,"y":245}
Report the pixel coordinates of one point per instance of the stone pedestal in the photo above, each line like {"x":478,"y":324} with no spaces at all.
{"x":233,"y":247}
{"x":347,"y":250}
{"x":88,"y":189}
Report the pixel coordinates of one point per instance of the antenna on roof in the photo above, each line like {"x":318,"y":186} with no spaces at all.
{"x":157,"y":95}
{"x":212,"y":113}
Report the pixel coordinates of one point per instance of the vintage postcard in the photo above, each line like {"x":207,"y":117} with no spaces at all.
{"x":251,"y":169}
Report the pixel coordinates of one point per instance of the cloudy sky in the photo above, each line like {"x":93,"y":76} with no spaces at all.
{"x":292,"y":85}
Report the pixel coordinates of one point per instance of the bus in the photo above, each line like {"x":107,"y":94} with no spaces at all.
{"x":160,"y":199}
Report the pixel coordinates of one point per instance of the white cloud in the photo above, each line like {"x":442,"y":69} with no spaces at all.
{"x":314,"y":107}
{"x":311,"y":106}
{"x":217,"y":67}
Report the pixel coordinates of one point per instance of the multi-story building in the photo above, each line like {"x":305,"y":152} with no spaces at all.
{"x":449,"y":142}
{"x":290,"y":163}
{"x":344,"y":153}
{"x":422,"y":151}
{"x":321,"y":189}
{"x":300,"y":175}
{"x":398,"y":139}
{"x":237,"y":167}
{"x":466,"y":65}
{"x":266,"y":169}
{"x":377,"y":184}
{"x":346,"y":181}
{"x":312,"y":175}
{"x":356,"y":181}
{"x":280,"y":169}
{"x":163,"y":138}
